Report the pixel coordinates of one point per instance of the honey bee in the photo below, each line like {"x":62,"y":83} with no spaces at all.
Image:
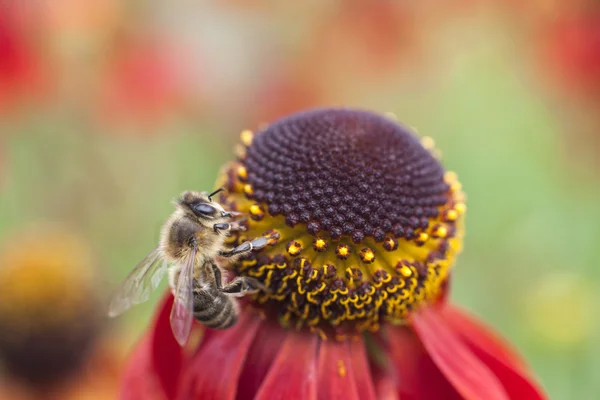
{"x":191,"y":241}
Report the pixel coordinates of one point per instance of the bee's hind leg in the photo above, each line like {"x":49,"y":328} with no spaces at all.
{"x":218,"y":277}
{"x":243,"y":285}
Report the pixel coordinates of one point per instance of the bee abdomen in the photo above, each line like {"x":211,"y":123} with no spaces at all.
{"x":220,"y":313}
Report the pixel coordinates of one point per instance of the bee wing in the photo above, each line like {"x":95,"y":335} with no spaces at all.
{"x":183,"y":307}
{"x":140,"y":282}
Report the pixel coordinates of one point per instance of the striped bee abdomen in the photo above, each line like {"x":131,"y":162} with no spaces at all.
{"x":215,"y":310}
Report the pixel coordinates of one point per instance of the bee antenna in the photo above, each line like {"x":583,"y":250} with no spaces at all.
{"x":221,"y":189}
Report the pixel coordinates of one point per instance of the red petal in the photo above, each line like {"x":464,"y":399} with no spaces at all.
{"x":474,"y":331}
{"x":153,"y":369}
{"x":293,"y":374}
{"x":263,"y":350}
{"x":386,"y":388}
{"x":335,"y":375}
{"x":471,"y":377}
{"x":361,"y":370}
{"x":139,"y":379}
{"x":496,"y":354}
{"x":214,"y":370}
{"x":167,"y":355}
{"x":418,"y":377}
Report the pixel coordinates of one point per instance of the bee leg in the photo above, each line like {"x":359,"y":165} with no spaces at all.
{"x":232,"y":214}
{"x":218,"y":278}
{"x":243,"y":285}
{"x":237,"y":227}
{"x":246,"y":247}
{"x":222,"y":227}
{"x":228,"y":227}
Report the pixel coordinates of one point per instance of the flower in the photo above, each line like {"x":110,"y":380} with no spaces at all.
{"x":285,"y":90}
{"x":142,"y":83}
{"x":49,"y":319}
{"x":20,"y":74}
{"x":363,"y":226}
{"x":571,"y":50}
{"x":370,"y":40}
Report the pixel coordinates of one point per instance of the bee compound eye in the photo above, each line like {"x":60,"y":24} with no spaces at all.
{"x":203,"y":209}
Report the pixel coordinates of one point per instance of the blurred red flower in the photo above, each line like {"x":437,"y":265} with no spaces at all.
{"x":571,"y":50}
{"x":284,"y":91}
{"x":444,"y":354}
{"x":143,"y":82}
{"x":365,"y":38}
{"x":20,"y":61}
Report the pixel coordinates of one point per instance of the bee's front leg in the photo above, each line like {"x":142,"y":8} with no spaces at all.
{"x":228,"y":227}
{"x":246,"y":247}
{"x":222,"y":227}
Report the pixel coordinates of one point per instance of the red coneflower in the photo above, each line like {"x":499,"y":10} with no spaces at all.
{"x":369,"y":226}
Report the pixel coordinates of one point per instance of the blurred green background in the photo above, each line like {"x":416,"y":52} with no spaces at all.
{"x":109,"y":110}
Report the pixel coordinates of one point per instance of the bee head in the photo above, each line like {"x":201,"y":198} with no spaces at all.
{"x":201,"y":206}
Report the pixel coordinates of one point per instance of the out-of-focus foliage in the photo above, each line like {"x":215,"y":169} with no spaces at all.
{"x":108,"y":110}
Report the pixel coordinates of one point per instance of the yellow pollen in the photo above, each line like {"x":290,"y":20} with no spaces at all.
{"x":248,"y":189}
{"x":350,"y":273}
{"x":428,"y":142}
{"x":255,"y":209}
{"x":294,"y":248}
{"x":246,"y":137}
{"x":341,"y":368}
{"x":242,"y":172}
{"x":450,"y":177}
{"x":451,"y":215}
{"x":405,"y":271}
{"x":342,"y":251}
{"x":456,"y":186}
{"x":440,"y":232}
{"x":390,"y":244}
{"x":422,"y":238}
{"x":320,"y":244}
{"x":460,"y":208}
{"x":367,"y":255}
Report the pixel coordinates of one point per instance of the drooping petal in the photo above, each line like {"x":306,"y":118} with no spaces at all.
{"x":153,"y":371}
{"x":335,"y":373}
{"x":261,"y":355}
{"x":167,"y":355}
{"x":215,"y":369}
{"x":293,"y":374}
{"x":474,"y":331}
{"x":467,"y":373}
{"x":139,"y":379}
{"x":361,"y":371}
{"x":418,"y":378}
{"x":495,"y":353}
{"x":385,"y":387}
